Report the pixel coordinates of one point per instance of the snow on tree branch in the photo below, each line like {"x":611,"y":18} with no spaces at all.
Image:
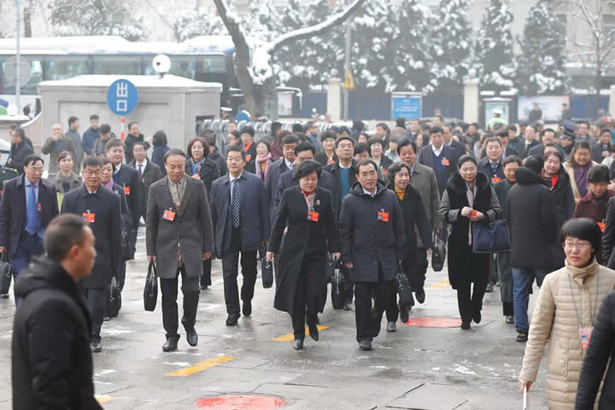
{"x":307,"y":32}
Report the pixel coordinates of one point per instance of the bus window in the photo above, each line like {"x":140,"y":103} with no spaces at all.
{"x":211,"y":64}
{"x":36,"y":76}
{"x":59,"y":68}
{"x":180,"y":66}
{"x":127,"y":65}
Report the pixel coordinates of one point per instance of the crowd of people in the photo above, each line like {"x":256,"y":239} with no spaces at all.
{"x":369,"y":204}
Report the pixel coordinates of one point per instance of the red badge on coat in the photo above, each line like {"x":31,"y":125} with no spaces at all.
{"x":168,"y":215}
{"x":126,"y":190}
{"x":383,"y":216}
{"x":89,"y":217}
{"x":313,"y":216}
{"x":445,"y":162}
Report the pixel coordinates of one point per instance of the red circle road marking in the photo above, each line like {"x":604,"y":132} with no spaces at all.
{"x":240,"y":402}
{"x":439,"y":322}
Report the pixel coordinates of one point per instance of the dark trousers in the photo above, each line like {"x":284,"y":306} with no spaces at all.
{"x":470,"y":300}
{"x":230,"y":271}
{"x":95,"y":301}
{"x":206,"y":278}
{"x":190,"y":289}
{"x":29,"y":245}
{"x":409,"y":265}
{"x":308,"y":294}
{"x":367,"y":318}
{"x":121,"y":275}
{"x":416,"y":270}
{"x":348,"y":283}
{"x":506,"y":282}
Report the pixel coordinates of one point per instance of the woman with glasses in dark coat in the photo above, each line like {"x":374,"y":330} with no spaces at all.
{"x":198,"y":166}
{"x":306,"y":211}
{"x":415,"y":221}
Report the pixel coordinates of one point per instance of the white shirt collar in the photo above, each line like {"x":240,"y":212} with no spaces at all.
{"x":289,"y":164}
{"x":365,"y":191}
{"x":117,"y":168}
{"x":233,"y":179}
{"x":436,"y":150}
{"x":143,"y":164}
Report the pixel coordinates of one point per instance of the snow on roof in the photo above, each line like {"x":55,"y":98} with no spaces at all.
{"x":140,"y":81}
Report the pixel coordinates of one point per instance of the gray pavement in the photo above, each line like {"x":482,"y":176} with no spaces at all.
{"x":414,"y":368}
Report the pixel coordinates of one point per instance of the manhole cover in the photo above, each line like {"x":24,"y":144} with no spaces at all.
{"x":441,"y":322}
{"x":240,"y":402}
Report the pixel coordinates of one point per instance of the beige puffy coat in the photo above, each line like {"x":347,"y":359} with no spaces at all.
{"x":554,"y":320}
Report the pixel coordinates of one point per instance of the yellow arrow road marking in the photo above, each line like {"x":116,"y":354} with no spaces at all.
{"x":200,"y":366}
{"x":289,"y":337}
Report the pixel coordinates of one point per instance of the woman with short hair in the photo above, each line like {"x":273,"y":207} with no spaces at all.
{"x":306,"y":215}
{"x":65,"y":179}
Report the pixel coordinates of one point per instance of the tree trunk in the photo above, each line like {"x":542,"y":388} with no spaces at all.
{"x":597,"y":86}
{"x":27,"y":21}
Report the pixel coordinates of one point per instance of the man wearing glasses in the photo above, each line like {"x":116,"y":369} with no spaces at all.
{"x":100,"y":208}
{"x":27,"y":206}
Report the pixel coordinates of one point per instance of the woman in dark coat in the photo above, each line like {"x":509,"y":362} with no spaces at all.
{"x":415,"y":218}
{"x":199,"y":166}
{"x":558,"y":181}
{"x":467,"y":198}
{"x":159,"y":141}
{"x":601,"y":348}
{"x":307,"y":212}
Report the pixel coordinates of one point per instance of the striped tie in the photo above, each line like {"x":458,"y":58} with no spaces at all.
{"x":235,"y":205}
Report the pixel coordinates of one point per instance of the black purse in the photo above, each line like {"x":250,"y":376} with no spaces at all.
{"x":6,"y":272}
{"x":438,"y":254}
{"x":150,"y":292}
{"x":490,"y":237}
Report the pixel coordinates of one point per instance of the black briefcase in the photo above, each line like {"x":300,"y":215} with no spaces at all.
{"x":337,"y":288}
{"x":267,"y":273}
{"x":114,"y":301}
{"x":150,"y":292}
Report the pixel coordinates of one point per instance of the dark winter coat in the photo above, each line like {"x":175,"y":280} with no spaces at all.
{"x":18,"y":154}
{"x":592,"y":207}
{"x":304,"y":242}
{"x":220,"y":161}
{"x":531,"y":222}
{"x":449,"y":164}
{"x":107,"y":228}
{"x":525,"y":148}
{"x":322,"y":159}
{"x":128,"y":178}
{"x":501,"y":190}
{"x":207,"y":172}
{"x":415,"y":219}
{"x":129,"y":141}
{"x":255,"y":222}
{"x":149,"y":175}
{"x":563,"y":206}
{"x":54,"y":148}
{"x":13,"y":210}
{"x":189,"y":232}
{"x":288,"y":179}
{"x":365,"y":241}
{"x":459,"y":150}
{"x":463,"y":265}
{"x":89,"y":140}
{"x":484,"y":166}
{"x":271,"y":182}
{"x":158,"y":154}
{"x":385,"y":163}
{"x":597,"y":150}
{"x":601,"y":348}
{"x":51,"y":358}
{"x":126,"y":220}
{"x":336,"y":188}
{"x":608,"y":237}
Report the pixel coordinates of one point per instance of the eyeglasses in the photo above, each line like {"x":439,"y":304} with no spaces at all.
{"x":90,"y":172}
{"x":578,"y":245}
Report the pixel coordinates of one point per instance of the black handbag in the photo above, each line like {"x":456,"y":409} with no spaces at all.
{"x":337,"y":288}
{"x":150,"y":293}
{"x":6,"y":272}
{"x":267,"y":273}
{"x":490,"y":237}
{"x":438,"y":254}
{"x":114,"y":301}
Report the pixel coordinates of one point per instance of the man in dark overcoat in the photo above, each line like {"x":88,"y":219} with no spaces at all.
{"x":101,"y":208}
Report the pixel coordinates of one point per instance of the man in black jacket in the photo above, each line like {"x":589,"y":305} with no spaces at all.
{"x":128,"y":178}
{"x":51,"y":359}
{"x":27,"y":206}
{"x":372,"y":239}
{"x":532,"y":226}
{"x":602,"y":148}
{"x":20,"y":149}
{"x":148,"y":173}
{"x":439,"y":157}
{"x":286,"y":163}
{"x":491,"y":165}
{"x":101,"y":208}
{"x":133,"y":136}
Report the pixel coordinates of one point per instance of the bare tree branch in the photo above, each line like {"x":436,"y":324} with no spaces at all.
{"x":320,"y":28}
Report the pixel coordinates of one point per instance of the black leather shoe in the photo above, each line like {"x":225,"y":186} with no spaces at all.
{"x":465,"y":325}
{"x":365,"y":345}
{"x":231,"y":319}
{"x":510,"y":320}
{"x":477,"y":317}
{"x":489,"y":288}
{"x":348,"y":305}
{"x":391,"y":327}
{"x":96,"y":347}
{"x":521,"y":337}
{"x":298,"y":344}
{"x":203,"y":287}
{"x":191,"y":336}
{"x":420,"y":295}
{"x":170,"y":345}
{"x":313,"y":331}
{"x":247,"y":308}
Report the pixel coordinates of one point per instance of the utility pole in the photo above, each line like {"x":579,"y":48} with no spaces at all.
{"x":347,"y":66}
{"x":18,"y":59}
